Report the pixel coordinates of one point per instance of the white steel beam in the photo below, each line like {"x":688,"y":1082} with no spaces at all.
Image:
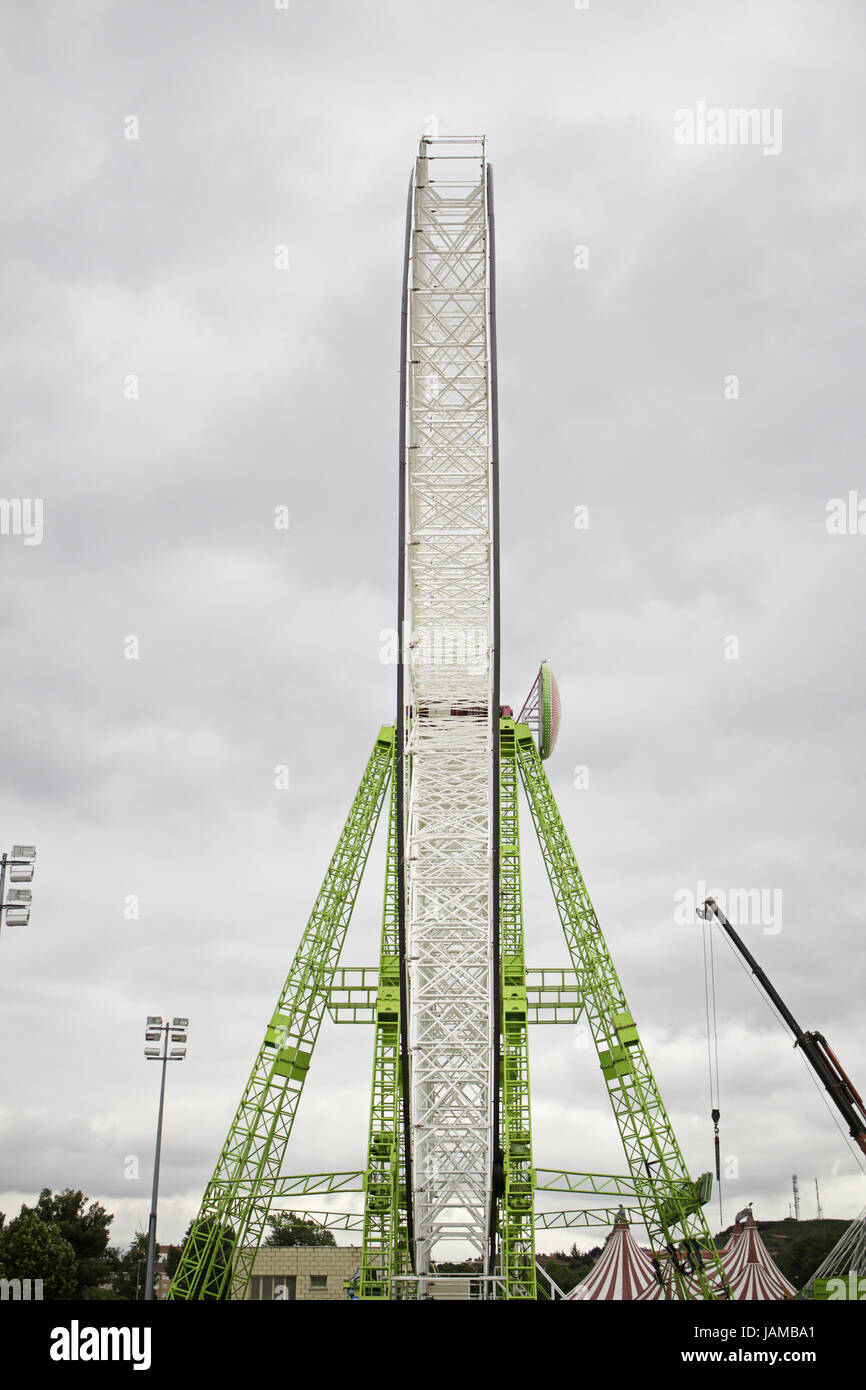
{"x":449,"y":687}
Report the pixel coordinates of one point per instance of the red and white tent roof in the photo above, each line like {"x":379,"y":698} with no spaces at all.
{"x":626,"y":1271}
{"x":752,"y":1272}
{"x":623,"y":1271}
{"x":729,"y":1250}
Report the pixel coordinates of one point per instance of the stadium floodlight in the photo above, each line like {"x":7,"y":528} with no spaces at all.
{"x":154,"y":1022}
{"x":177,"y":1053}
{"x":152,"y":1035}
{"x":178,"y":1037}
{"x":180,"y":1023}
{"x":15,"y":902}
{"x":152,"y":1053}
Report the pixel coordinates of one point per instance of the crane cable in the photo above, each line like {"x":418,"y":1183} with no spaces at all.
{"x":786,"y":1030}
{"x":713,"y":1050}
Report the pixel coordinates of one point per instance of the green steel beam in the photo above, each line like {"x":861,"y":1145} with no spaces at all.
{"x":553,"y":994}
{"x":544,"y":1220}
{"x":516,"y":1224}
{"x":590,"y":1184}
{"x":585,"y":1216}
{"x":386,"y":1244}
{"x":555,"y":979}
{"x":338,"y":1220}
{"x":352,"y":996}
{"x":293,"y":1185}
{"x":613,"y":1185}
{"x":332,"y":1221}
{"x":671,"y":1211}
{"x":228,"y":1229}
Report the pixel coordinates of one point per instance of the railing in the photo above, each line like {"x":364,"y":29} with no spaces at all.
{"x":547,"y":1287}
{"x":461,"y":1287}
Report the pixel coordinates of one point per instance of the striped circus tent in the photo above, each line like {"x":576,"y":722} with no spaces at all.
{"x":671,"y":1288}
{"x":752,"y":1272}
{"x":727,"y":1251}
{"x":623,"y":1271}
{"x":693,"y":1286}
{"x":733,"y":1238}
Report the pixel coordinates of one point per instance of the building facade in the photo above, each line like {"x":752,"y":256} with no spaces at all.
{"x":305,"y":1273}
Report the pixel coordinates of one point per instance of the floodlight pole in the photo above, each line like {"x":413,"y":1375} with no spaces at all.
{"x":151,"y":1228}
{"x":165,"y":1029}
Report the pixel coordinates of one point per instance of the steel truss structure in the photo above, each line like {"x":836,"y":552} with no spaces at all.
{"x":449,"y":1149}
{"x":386,"y":1237}
{"x":222,"y":1245}
{"x":448,"y":747}
{"x":248,"y":1183}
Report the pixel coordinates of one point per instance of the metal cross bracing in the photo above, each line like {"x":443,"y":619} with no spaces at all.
{"x":248,"y":1183}
{"x":612,"y":1184}
{"x":449,"y":543}
{"x":296,"y":1185}
{"x":385,"y":1252}
{"x":226,"y":1234}
{"x":588,"y":1218}
{"x":553,"y":994}
{"x":672,"y":1217}
{"x":516,"y":1208}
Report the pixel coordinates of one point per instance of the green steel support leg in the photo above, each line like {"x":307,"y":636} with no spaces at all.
{"x":672,"y":1215}
{"x":219,"y":1254}
{"x":516,"y":1218}
{"x":386,"y":1247}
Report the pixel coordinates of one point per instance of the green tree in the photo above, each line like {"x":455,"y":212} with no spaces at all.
{"x":287,"y":1228}
{"x":799,"y":1262}
{"x":85,"y":1229}
{"x":569,"y":1269}
{"x":129,"y":1277}
{"x":131,"y":1272}
{"x":33,"y":1249}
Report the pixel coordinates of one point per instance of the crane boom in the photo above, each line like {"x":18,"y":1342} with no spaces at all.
{"x":814,"y":1046}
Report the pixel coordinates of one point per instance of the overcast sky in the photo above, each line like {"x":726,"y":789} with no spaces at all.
{"x":697,"y":386}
